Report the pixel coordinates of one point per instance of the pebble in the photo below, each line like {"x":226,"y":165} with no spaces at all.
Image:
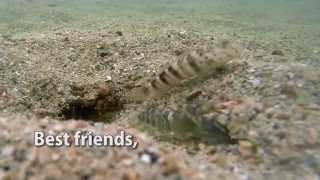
{"x":109,"y":78}
{"x":3,"y":90}
{"x":55,"y":157}
{"x":270,"y":112}
{"x":127,"y":162}
{"x":169,"y":166}
{"x":251,"y":70}
{"x":65,"y":39}
{"x":246,"y":148}
{"x":255,"y":82}
{"x":193,"y":95}
{"x":139,"y":57}
{"x":277,"y":52}
{"x":58,"y":127}
{"x":119,"y":33}
{"x":7,"y":151}
{"x":210,"y":150}
{"x":103,"y":91}
{"x":103,"y":54}
{"x":258,"y":107}
{"x":283,"y":116}
{"x":80,"y":124}
{"x":259,"y":54}
{"x":148,"y":156}
{"x":224,"y":111}
{"x":130,"y":175}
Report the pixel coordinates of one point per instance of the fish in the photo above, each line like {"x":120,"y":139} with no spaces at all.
{"x":190,"y":64}
{"x":189,"y":122}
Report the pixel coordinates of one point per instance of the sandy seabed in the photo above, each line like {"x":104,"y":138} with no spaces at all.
{"x":85,"y":71}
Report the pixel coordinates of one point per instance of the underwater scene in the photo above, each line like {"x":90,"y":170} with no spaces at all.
{"x":159,"y":89}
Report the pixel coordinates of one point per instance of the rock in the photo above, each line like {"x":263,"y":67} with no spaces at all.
{"x":42,"y":113}
{"x":277,"y":53}
{"x":193,"y":95}
{"x":65,"y":39}
{"x":3,"y":90}
{"x":210,"y":150}
{"x":169,"y":166}
{"x":7,"y":151}
{"x":109,"y":78}
{"x":52,"y":5}
{"x":104,"y":54}
{"x":288,"y":89}
{"x":119,"y":33}
{"x":149,"y":156}
{"x":256,"y":83}
{"x":246,"y":148}
{"x":130,"y":175}
{"x":127,"y":162}
{"x":81,"y":124}
{"x":103,"y":91}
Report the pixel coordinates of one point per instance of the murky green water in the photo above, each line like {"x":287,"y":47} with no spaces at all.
{"x":40,"y":15}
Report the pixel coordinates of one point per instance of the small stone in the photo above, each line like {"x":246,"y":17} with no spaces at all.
{"x":259,"y":54}
{"x":283,"y":116}
{"x":103,"y":91}
{"x":55,"y":157}
{"x":169,"y":166}
{"x":81,"y":124}
{"x":288,"y":89}
{"x":109,"y":78}
{"x":246,"y":148}
{"x":42,"y":113}
{"x":270,"y":112}
{"x":255,"y":83}
{"x":258,"y":107}
{"x":119,"y":33}
{"x":178,"y":52}
{"x":104,"y":54}
{"x":193,"y":95}
{"x":138,"y":55}
{"x":76,"y":87}
{"x":7,"y":151}
{"x":148,"y":156}
{"x":127,"y":162}
{"x":210,"y":150}
{"x":130,"y":175}
{"x":99,"y":46}
{"x":58,"y":127}
{"x":251,"y":70}
{"x":202,"y":146}
{"x":192,"y":149}
{"x":277,"y":52}
{"x":224,"y":111}
{"x":65,"y":39}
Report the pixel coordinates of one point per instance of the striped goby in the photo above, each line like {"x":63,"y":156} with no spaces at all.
{"x":187,"y":123}
{"x":190,"y":64}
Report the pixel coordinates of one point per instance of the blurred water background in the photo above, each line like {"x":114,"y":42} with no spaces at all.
{"x":50,"y":15}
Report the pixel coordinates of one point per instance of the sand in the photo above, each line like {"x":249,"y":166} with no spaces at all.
{"x":58,"y":64}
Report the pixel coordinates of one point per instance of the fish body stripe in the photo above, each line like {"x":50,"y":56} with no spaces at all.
{"x":193,"y":64}
{"x":163,"y":78}
{"x":174,"y":72}
{"x":189,"y":65}
{"x":153,"y":84}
